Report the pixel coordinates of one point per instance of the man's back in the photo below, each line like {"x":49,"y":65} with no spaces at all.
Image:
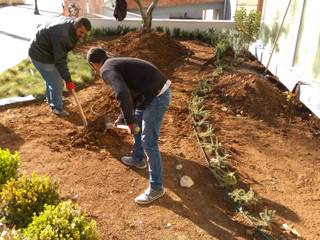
{"x":53,"y":40}
{"x":139,"y":75}
{"x":135,"y":82}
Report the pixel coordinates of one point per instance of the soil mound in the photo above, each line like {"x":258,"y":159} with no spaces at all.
{"x":157,"y":48}
{"x":253,"y":95}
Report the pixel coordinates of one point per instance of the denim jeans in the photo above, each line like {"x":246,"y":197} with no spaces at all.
{"x":54,"y":83}
{"x":146,"y":142}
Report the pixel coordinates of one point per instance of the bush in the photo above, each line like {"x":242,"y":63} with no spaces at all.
{"x":9,"y":164}
{"x":64,"y":221}
{"x":247,"y":24}
{"x":9,"y":234}
{"x":22,"y":198}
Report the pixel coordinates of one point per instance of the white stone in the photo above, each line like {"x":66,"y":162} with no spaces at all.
{"x":186,"y":181}
{"x":179,"y":167}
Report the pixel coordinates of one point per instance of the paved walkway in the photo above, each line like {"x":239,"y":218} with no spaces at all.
{"x":17,"y":27}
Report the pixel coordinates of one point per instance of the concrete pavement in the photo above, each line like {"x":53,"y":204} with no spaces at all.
{"x":17,"y":27}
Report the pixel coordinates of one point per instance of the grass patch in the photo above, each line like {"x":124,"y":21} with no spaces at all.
{"x":23,"y":79}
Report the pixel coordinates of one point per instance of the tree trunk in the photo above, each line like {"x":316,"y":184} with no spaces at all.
{"x":36,"y":11}
{"x":146,"y":25}
{"x":146,"y":15}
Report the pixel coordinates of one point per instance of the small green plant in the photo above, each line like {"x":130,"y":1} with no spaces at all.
{"x":159,"y":29}
{"x":267,"y":216}
{"x":247,"y":24}
{"x":176,"y":32}
{"x":167,"y":31}
{"x":9,"y":164}
{"x":25,"y":196}
{"x":241,"y":197}
{"x":64,"y":221}
{"x":221,"y":49}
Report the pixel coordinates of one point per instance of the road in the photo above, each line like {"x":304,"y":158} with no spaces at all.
{"x":17,"y":27}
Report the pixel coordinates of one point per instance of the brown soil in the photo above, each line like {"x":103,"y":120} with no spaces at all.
{"x":274,"y":146}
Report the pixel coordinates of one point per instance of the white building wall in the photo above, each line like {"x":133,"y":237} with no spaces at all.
{"x":184,"y":24}
{"x":184,"y":11}
{"x":296,"y":59}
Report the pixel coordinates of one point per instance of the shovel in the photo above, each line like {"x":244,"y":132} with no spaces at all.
{"x":83,"y":117}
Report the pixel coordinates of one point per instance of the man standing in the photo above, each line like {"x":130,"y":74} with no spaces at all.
{"x":48,"y":52}
{"x":144,"y":95}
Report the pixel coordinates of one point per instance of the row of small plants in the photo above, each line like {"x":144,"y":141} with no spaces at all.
{"x":31,"y":208}
{"x":218,"y":160}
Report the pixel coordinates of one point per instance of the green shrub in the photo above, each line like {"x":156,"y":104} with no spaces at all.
{"x":176,"y":32}
{"x":22,"y":198}
{"x":221,"y":49}
{"x":247,"y":24}
{"x":9,"y":234}
{"x":9,"y":164}
{"x":159,"y":29}
{"x":64,"y":221}
{"x":167,"y":31}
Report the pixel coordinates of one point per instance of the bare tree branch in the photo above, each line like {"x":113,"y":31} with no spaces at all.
{"x":151,"y":7}
{"x":140,"y":5}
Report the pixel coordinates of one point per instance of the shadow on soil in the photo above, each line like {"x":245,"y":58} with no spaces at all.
{"x":9,"y":139}
{"x":204,"y":203}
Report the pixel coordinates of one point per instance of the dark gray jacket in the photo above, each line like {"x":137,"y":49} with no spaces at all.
{"x":52,"y":43}
{"x":134,"y":81}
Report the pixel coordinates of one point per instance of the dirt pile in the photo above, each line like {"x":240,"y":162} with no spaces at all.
{"x":157,"y":48}
{"x":251,"y":94}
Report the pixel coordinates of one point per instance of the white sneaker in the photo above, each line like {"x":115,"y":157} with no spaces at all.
{"x":149,"y":196}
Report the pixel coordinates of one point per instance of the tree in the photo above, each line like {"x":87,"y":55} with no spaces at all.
{"x":36,"y":11}
{"x":146,"y":14}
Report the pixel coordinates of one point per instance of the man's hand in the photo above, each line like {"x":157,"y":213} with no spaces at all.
{"x":134,"y":128}
{"x":70,"y":86}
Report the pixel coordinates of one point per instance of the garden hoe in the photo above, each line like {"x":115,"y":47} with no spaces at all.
{"x":109,"y":124}
{"x":83,"y":117}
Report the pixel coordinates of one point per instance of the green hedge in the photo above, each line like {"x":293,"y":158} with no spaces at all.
{"x":64,"y":221}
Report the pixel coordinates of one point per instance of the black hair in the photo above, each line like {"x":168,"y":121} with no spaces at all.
{"x":83,"y":22}
{"x":97,"y":55}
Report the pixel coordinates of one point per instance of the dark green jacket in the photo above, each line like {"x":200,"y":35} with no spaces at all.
{"x":52,"y":43}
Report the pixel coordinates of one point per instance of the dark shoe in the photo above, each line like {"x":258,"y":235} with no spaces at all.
{"x":149,"y":196}
{"x":61,"y":113}
{"x":127,"y":160}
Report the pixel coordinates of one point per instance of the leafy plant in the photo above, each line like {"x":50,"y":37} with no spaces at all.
{"x":25,"y":196}
{"x":221,"y":49}
{"x":9,"y":164}
{"x":159,"y":29}
{"x":267,"y":216}
{"x":64,"y":221}
{"x":168,"y":32}
{"x":9,"y":234}
{"x":241,"y":197}
{"x":247,"y":24}
{"x":176,"y":32}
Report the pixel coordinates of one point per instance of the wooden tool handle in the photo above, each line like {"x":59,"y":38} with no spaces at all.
{"x":83,"y":117}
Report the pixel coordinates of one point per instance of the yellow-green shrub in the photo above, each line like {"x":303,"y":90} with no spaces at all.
{"x":64,"y":221}
{"x":9,"y":234}
{"x":25,"y":196}
{"x":9,"y":164}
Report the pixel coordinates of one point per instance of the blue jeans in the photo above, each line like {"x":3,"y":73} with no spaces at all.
{"x":146,"y":142}
{"x":54,"y":83}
